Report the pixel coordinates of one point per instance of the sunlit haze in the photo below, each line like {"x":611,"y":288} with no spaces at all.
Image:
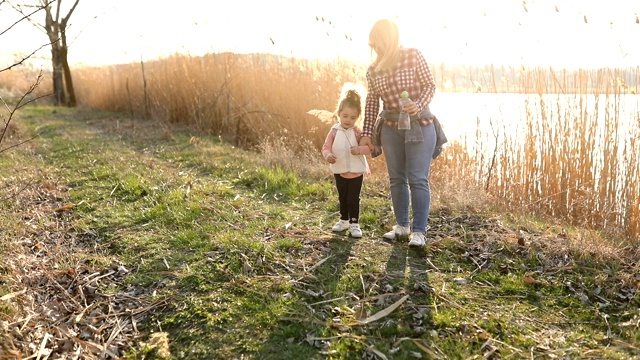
{"x":563,"y":33}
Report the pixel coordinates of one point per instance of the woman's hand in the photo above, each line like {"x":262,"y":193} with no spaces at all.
{"x":355,"y":150}
{"x":366,"y":140}
{"x":411,"y":107}
{"x":331,"y":159}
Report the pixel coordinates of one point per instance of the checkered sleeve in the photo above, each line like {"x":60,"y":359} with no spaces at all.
{"x":426,"y":81}
{"x":371,"y":108}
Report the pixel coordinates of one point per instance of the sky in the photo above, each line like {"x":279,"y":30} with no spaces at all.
{"x":559,"y":34}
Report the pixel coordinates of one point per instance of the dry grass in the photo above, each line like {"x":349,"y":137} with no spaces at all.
{"x":14,"y":82}
{"x":554,"y":166}
{"x":300,"y":156}
{"x":280,"y":274}
{"x":243,"y":98}
{"x":575,"y":157}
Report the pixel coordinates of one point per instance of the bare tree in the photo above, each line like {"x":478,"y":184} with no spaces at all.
{"x":7,"y":109}
{"x":55,"y":26}
{"x":12,"y":109}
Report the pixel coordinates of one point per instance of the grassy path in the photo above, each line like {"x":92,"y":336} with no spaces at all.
{"x":234,"y":259}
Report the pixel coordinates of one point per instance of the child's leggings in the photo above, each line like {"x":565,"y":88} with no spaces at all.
{"x":349,"y":196}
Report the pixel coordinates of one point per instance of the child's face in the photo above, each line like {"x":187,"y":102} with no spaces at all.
{"x":348,"y":116}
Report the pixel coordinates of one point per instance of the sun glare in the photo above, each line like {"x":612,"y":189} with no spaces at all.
{"x":562,"y":33}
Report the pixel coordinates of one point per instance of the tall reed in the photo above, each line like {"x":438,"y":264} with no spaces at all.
{"x":572,"y":155}
{"x":242,"y":98}
{"x":15,"y":82}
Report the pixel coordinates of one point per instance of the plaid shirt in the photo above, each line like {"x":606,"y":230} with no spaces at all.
{"x":412,"y":74}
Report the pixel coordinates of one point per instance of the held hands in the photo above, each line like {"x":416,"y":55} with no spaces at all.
{"x":355,"y":150}
{"x":366,"y":140}
{"x":331,"y":159}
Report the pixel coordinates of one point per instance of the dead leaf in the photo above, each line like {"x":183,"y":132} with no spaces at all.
{"x":379,"y":315}
{"x":555,"y":270}
{"x":529,"y":280}
{"x":424,"y":348}
{"x":361,"y":313}
{"x":624,"y":345}
{"x":377,"y":352}
{"x":66,"y":207}
{"x":319,"y":263}
{"x":460,"y":281}
{"x":160,"y":340}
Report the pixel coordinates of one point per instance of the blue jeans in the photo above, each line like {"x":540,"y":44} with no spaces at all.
{"x":408,"y":166}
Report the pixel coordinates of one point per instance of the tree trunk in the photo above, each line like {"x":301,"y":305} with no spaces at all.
{"x":62,"y":81}
{"x":57,"y":76}
{"x":71,"y":100}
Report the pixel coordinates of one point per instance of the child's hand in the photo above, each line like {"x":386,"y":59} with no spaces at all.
{"x":366,"y":140}
{"x":331,"y":159}
{"x":355,"y":150}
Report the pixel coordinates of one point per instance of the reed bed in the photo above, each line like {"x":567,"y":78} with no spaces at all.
{"x":14,"y":83}
{"x":242,"y":98}
{"x":573,"y":156}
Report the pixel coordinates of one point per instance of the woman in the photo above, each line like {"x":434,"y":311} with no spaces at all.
{"x":408,"y":153}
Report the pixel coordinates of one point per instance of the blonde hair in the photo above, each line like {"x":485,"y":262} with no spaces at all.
{"x":384,"y":38}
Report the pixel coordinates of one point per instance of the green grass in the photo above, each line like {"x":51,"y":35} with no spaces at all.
{"x":242,"y":256}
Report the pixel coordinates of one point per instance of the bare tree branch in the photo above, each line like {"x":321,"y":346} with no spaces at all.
{"x":66,"y":18}
{"x":28,"y":17}
{"x":18,"y":144}
{"x":22,"y":102}
{"x":42,"y":6}
{"x":24,"y":17}
{"x":57,"y":10}
{"x":15,"y":194}
{"x":24,"y":58}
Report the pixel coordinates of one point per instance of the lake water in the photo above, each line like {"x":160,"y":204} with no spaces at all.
{"x":460,"y":113}
{"x":598,"y":133}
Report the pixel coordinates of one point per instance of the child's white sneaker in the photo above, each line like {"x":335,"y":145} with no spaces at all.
{"x":354,"y":230}
{"x":397,"y":232}
{"x":341,"y":225}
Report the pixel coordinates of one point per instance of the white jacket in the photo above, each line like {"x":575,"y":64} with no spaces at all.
{"x":341,"y":148}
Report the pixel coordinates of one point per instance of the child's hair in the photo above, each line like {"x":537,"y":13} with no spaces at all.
{"x":351,"y":96}
{"x":351,"y":99}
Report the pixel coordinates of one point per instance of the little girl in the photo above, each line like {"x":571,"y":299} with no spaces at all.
{"x":347,"y":162}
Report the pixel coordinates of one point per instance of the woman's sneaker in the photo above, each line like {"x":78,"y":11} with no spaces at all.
{"x":397,"y":232}
{"x":417,"y":239}
{"x":341,"y":225}
{"x":354,"y":230}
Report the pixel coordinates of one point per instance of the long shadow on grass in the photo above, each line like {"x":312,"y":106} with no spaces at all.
{"x":322,"y":298}
{"x":406,"y":274}
{"x":353,"y":288}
